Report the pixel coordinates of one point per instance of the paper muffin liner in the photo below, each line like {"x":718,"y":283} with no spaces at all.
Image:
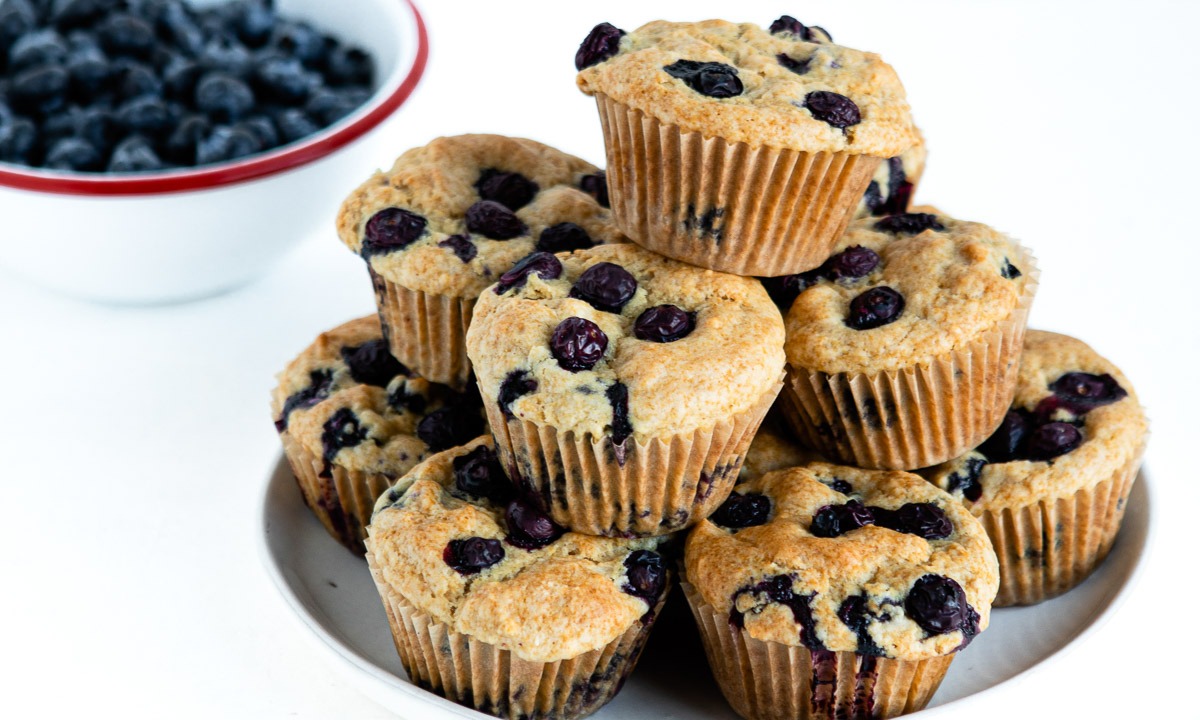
{"x":637,"y":489}
{"x":727,"y":206}
{"x":1047,"y":548}
{"x":477,"y":674}
{"x":425,"y":331}
{"x":917,"y":415}
{"x":765,"y":680}
{"x":342,"y":499}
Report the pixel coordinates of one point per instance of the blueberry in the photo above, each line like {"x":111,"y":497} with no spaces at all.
{"x":372,"y":364}
{"x":966,"y":479}
{"x":328,"y":106}
{"x":874,"y":308}
{"x":123,"y":33}
{"x":72,"y":153}
{"x":785,"y":289}
{"x":181,"y":144}
{"x":1009,"y":271}
{"x":1006,"y":442}
{"x":284,"y":80}
{"x":543,"y":263}
{"x":255,"y":22}
{"x":924,"y":520}
{"x":17,"y":17}
{"x":180,"y":77}
{"x":143,"y":114}
{"x":391,"y":229}
{"x":341,"y":430}
{"x":59,"y":125}
{"x":180,"y":28}
{"x":564,"y":237}
{"x":299,"y":40}
{"x":40,"y":47}
{"x":938,"y":604}
{"x":223,"y":98}
{"x":225,"y":54}
{"x":788,"y":25}
{"x":262,"y":128}
{"x":578,"y":344}
{"x":645,"y":575}
{"x":743,"y":510}
{"x":1051,"y":440}
{"x":134,"y":79}
{"x":461,"y":246}
{"x":852,"y":263}
{"x":618,"y":396}
{"x":293,"y":125}
{"x":600,"y":44}
{"x":349,"y":66}
{"x":17,"y":138}
{"x":320,"y":382}
{"x":478,"y":473}
{"x":834,"y":520}
{"x":473,"y":554}
{"x":664,"y":324}
{"x":909,"y":223}
{"x":89,"y":70}
{"x":853,"y":612}
{"x":797,"y":66}
{"x":714,"y":79}
{"x":596,"y":185}
{"x":510,"y":189}
{"x":39,"y":89}
{"x":1082,"y":391}
{"x":873,"y":199}
{"x":493,"y":220}
{"x":605,"y":286}
{"x":226,"y":143}
{"x":839,"y":485}
{"x":832,"y":108}
{"x":515,"y":384}
{"x":449,"y":427}
{"x":528,"y":527}
{"x":898,"y":201}
{"x":779,"y":589}
{"x":134,"y":154}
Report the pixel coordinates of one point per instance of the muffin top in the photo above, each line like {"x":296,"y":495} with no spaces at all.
{"x":786,"y":87}
{"x":843,"y":559}
{"x":1075,"y":421}
{"x":619,"y":341}
{"x":349,"y":402}
{"x":901,"y":290}
{"x":774,"y":448}
{"x":452,"y":216}
{"x":891,"y":188}
{"x":455,"y":541}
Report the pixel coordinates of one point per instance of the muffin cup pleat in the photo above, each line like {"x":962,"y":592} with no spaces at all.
{"x":658,"y":486}
{"x":342,"y":499}
{"x":426,"y":331}
{"x":1048,"y":547}
{"x":498,"y":682}
{"x":918,"y":415}
{"x":764,"y":680}
{"x":726,"y":206}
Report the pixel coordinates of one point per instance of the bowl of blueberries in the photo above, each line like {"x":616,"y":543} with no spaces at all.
{"x":174,"y":149}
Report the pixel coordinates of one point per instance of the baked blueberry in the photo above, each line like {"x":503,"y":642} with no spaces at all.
{"x":785,"y":289}
{"x":516,"y":384}
{"x":618,"y":397}
{"x":874,"y":308}
{"x":834,"y":520}
{"x":966,"y":479}
{"x":545,"y":265}
{"x":578,"y":344}
{"x":663,"y":324}
{"x":391,"y":229}
{"x":596,"y":185}
{"x":600,"y":44}
{"x":473,"y":554}
{"x":605,"y":286}
{"x":924,"y":520}
{"x":1048,"y":441}
{"x":645,"y":575}
{"x":461,"y":246}
{"x":341,"y":430}
{"x":832,"y":108}
{"x":854,"y":613}
{"x":449,"y":426}
{"x":714,"y":79}
{"x":1082,"y":391}
{"x":528,"y":527}
{"x":372,"y":364}
{"x":564,"y":237}
{"x":1006,"y":442}
{"x":1010,"y":271}
{"x":850,"y":264}
{"x":909,"y":223}
{"x":512,"y":190}
{"x":478,"y":473}
{"x":319,"y":384}
{"x":937,"y":603}
{"x":493,"y":220}
{"x":743,"y":510}
{"x":798,"y":66}
{"x":788,"y":25}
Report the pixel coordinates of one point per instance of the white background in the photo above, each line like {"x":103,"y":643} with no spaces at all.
{"x":136,"y":442}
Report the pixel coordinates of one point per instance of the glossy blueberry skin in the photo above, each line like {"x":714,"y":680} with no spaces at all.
{"x":1052,"y":440}
{"x":541,"y":263}
{"x":134,"y":154}
{"x":713,"y":79}
{"x":743,"y":510}
{"x":646,"y":575}
{"x":528,"y":527}
{"x":372,"y":364}
{"x":1081,"y":391}
{"x":564,"y":237}
{"x":512,"y":190}
{"x":664,"y":324}
{"x":850,"y":264}
{"x":391,"y":229}
{"x":832,"y":108}
{"x":835,"y":520}
{"x":938,"y":604}
{"x":224,"y":97}
{"x":449,"y":426}
{"x":493,"y":220}
{"x":515,"y":384}
{"x":478,"y":473}
{"x":874,"y":308}
{"x":578,"y":344}
{"x":605,"y":286}
{"x":600,"y":44}
{"x":1006,"y":442}
{"x":924,"y":520}
{"x":469,"y":556}
{"x":72,"y":153}
{"x":461,"y":246}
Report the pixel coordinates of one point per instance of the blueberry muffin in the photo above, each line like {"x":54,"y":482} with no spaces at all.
{"x":826,"y":591}
{"x":894,"y":182}
{"x":624,"y":387}
{"x":352,"y":419}
{"x":902,"y":348}
{"x":736,"y":148}
{"x":496,"y":607}
{"x":774,"y":448}
{"x":448,"y":219}
{"x":1050,"y":485}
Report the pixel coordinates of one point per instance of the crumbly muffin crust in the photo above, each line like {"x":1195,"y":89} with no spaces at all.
{"x":544,"y":604}
{"x":774,"y":448}
{"x":723,"y":366}
{"x":349,"y":402}
{"x":1113,"y":434}
{"x":871,"y":569}
{"x":894,"y":181}
{"x":438,"y":182}
{"x":771,"y":108}
{"x":956,"y":282}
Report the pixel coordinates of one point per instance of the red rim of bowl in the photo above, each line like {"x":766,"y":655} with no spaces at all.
{"x":260,"y":166}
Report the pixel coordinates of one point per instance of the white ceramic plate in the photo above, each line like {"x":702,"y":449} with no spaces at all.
{"x":331,"y":593}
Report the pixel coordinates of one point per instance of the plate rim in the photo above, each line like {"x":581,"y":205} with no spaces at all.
{"x":377,"y":683}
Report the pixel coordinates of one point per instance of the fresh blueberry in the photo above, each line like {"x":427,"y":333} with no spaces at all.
{"x":134,"y":154}
{"x":938,"y":604}
{"x":448,"y":427}
{"x":224,"y":98}
{"x":743,"y":510}
{"x":478,"y":473}
{"x":134,"y":79}
{"x":226,"y":143}
{"x":226,"y":54}
{"x":461,"y":246}
{"x":391,"y":229}
{"x":1006,"y":442}
{"x":40,"y":89}
{"x":605,"y":286}
{"x":618,"y":396}
{"x":180,"y":77}
{"x":966,"y":479}
{"x":1051,"y":440}
{"x":510,"y":189}
{"x":349,"y":66}
{"x":1082,"y":391}
{"x":181,"y":144}
{"x":515,"y":384}
{"x":301,"y":41}
{"x":601,"y":43}
{"x":924,"y":520}
{"x":909,"y":223}
{"x":328,"y":106}
{"x":543,"y":263}
{"x":714,"y":79}
{"x":645,"y":575}
{"x":320,"y":382}
{"x":72,"y":153}
{"x":493,"y":220}
{"x":797,"y":66}
{"x":143,"y":114}
{"x":834,"y":520}
{"x":262,"y":128}
{"x":473,"y":554}
{"x":17,"y":17}
{"x":89,"y":71}
{"x":372,"y":364}
{"x":832,"y":108}
{"x":123,"y":33}
{"x":578,"y":344}
{"x":664,"y":324}
{"x":528,"y":527}
{"x":179,"y":27}
{"x":341,"y":430}
{"x":17,"y":139}
{"x":874,"y":308}
{"x":294,"y":124}
{"x":284,"y":80}
{"x":596,"y":185}
{"x":255,"y":22}
{"x":40,"y":47}
{"x":564,"y":237}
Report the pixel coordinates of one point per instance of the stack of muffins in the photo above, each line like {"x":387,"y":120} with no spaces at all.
{"x":586,"y":385}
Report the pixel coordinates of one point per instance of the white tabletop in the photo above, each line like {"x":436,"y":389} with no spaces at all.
{"x":137,"y":440}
